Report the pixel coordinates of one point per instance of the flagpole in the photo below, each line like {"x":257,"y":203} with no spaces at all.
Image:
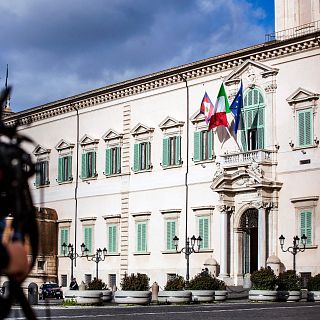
{"x":231,"y":136}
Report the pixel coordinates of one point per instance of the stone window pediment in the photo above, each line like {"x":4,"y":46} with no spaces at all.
{"x":198,"y":120}
{"x":87,"y":140}
{"x":112,"y":135}
{"x":170,"y":124}
{"x":142,"y":130}
{"x":302,"y":98}
{"x":64,"y":145}
{"x":41,"y":151}
{"x":251,"y":71}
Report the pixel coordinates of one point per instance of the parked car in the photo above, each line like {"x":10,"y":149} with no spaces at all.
{"x":50,"y":290}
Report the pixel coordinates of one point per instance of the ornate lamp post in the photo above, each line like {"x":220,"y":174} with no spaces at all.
{"x":71,"y":254}
{"x":295,"y":248}
{"x":188,"y":249}
{"x":100,"y":255}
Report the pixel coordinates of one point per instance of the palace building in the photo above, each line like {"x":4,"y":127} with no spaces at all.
{"x":129,"y":166}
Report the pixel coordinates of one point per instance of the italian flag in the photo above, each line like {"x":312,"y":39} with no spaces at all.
{"x":221,"y":108}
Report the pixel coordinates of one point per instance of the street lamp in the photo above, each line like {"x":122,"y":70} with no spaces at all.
{"x":188,"y":249}
{"x":295,"y":247}
{"x":100,"y":255}
{"x":71,"y":254}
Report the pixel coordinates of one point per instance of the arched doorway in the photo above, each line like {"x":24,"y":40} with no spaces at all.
{"x":249,"y":226}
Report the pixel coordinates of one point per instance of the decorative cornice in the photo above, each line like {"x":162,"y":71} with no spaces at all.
{"x":195,"y":70}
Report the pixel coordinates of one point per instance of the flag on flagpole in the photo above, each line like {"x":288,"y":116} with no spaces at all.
{"x":221,"y":108}
{"x":236,"y":106}
{"x":206,"y":107}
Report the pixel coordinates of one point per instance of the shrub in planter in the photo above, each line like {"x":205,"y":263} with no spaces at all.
{"x":138,"y":282}
{"x":97,"y":284}
{"x":263,"y":279}
{"x":314,"y":283}
{"x":205,"y":281}
{"x":175,"y":284}
{"x":289,"y":281}
{"x":289,"y":285}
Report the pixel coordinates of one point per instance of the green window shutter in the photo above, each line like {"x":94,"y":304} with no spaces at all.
{"x":260,"y":133}
{"x":37,"y":183}
{"x":178,"y":149}
{"x":165,"y":152}
{"x":306,"y":225}
{"x":60,"y":169}
{"x":305,"y":127}
{"x":197,"y":146}
{"x":171,"y":232}
{"x":93,"y":164}
{"x":84,"y":166}
{"x":112,"y":238}
{"x":142,"y":237}
{"x":148,"y":153}
{"x":88,"y":238}
{"x":210,"y":145}
{"x":69,"y":168}
{"x":118,"y":164}
{"x":64,"y":238}
{"x":204,"y":232}
{"x":108,"y":162}
{"x":136,"y":157}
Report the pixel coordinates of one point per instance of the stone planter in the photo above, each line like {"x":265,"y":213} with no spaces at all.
{"x":262,"y":295}
{"x":174,"y":296}
{"x":290,"y":296}
{"x":84,"y":296}
{"x":202,"y":295}
{"x":106,"y":295}
{"x":313,"y":296}
{"x":220,"y":295}
{"x":132,"y":297}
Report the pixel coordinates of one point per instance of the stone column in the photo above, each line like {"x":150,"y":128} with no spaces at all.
{"x":223,"y":241}
{"x":262,"y":255}
{"x":238,"y":249}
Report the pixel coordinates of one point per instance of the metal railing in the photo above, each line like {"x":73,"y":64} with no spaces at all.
{"x":293,"y":32}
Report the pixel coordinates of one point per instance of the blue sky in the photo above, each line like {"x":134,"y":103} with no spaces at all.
{"x":60,"y":48}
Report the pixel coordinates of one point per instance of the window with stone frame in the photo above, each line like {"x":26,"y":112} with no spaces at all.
{"x":42,"y":166}
{"x":64,"y":149}
{"x":141,"y":220}
{"x":305,"y":208}
{"x":203,"y":145}
{"x":303,"y":104}
{"x":142,"y":148}
{"x":112,"y":225}
{"x":88,"y":224}
{"x":88,"y":157}
{"x":171,"y":142}
{"x":171,"y":227}
{"x":252,"y":120}
{"x":113,"y":142}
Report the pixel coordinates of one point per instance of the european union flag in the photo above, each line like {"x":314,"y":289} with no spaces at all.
{"x":236,"y":106}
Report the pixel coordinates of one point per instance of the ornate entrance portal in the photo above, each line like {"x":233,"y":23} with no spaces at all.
{"x":249,"y":226}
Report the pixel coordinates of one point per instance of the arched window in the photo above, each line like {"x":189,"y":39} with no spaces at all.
{"x":251,"y":125}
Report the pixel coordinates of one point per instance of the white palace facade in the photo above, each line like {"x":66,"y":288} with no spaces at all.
{"x":128,"y":166}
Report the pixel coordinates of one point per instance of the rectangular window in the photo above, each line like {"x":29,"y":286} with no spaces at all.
{"x":112,"y":280}
{"x":64,"y":280}
{"x":113,"y":161}
{"x":112,"y":238}
{"x":64,"y":238}
{"x":141,"y":232}
{"x":203,"y":223}
{"x":203,"y":145}
{"x":88,"y":167}
{"x":65,"y":169}
{"x":87,"y":278}
{"x":305,"y":129}
{"x":305,"y":277}
{"x":306,"y":225}
{"x":141,"y":156}
{"x":171,"y":151}
{"x":170,"y":233}
{"x":42,"y":173}
{"x":88,"y":238}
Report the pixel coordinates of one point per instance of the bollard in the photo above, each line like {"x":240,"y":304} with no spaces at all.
{"x":33,"y":294}
{"x":155,"y":291}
